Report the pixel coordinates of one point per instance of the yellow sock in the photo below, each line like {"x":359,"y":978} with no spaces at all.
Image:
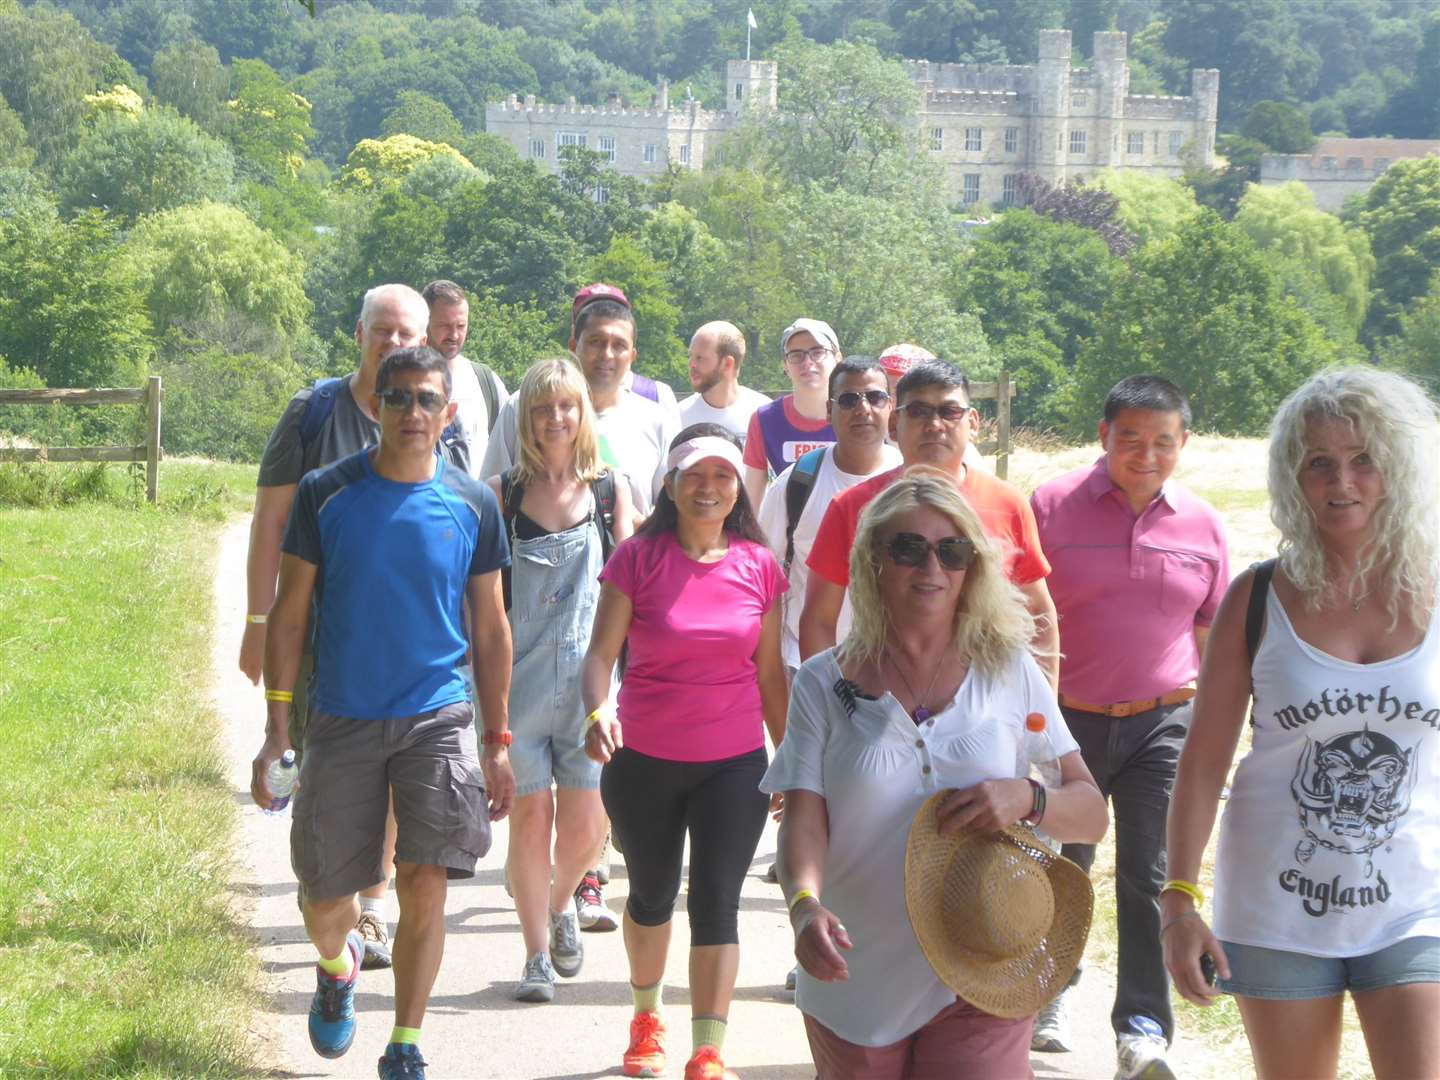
{"x":707,"y":1031}
{"x":340,"y":966}
{"x":647,"y":998}
{"x":400,"y":1034}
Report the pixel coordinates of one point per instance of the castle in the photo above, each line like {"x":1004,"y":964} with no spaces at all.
{"x":987,"y":124}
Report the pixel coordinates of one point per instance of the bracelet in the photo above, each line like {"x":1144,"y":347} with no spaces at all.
{"x":800,"y":894}
{"x":1177,"y":918}
{"x":279,"y":695}
{"x":1188,"y":888}
{"x":258,"y":620}
{"x":605,"y":711}
{"x":1037,"y":806}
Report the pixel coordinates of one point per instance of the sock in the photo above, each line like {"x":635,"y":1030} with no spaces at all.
{"x":373,"y":905}
{"x":400,"y":1034}
{"x":340,"y":967}
{"x":707,"y":1031}
{"x":647,"y":998}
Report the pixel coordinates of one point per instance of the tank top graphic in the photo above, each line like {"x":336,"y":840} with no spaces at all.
{"x":1330,"y":843}
{"x":785,"y":442}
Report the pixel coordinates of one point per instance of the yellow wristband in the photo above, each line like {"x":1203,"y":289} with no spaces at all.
{"x":800,"y":894}
{"x":258,"y":620}
{"x":1189,"y":888}
{"x":606,"y":710}
{"x":279,"y":695}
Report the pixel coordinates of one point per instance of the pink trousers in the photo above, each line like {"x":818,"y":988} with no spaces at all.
{"x":961,"y":1041}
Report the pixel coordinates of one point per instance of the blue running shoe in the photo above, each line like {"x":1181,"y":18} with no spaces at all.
{"x":402,"y":1061}
{"x":332,"y":1009}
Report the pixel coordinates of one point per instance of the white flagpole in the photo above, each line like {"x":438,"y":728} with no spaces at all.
{"x":747,"y":42}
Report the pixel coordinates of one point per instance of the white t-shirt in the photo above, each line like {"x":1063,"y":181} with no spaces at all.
{"x":1330,"y":842}
{"x":634,"y":434}
{"x":735,"y":417}
{"x":829,"y":482}
{"x":875,"y":767}
{"x":472,"y":415}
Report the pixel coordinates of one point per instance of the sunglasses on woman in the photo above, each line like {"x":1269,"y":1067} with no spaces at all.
{"x":398,"y":400}
{"x":911,"y":549}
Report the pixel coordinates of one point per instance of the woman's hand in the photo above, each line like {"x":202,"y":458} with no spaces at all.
{"x":987,"y":807}
{"x":603,"y":738}
{"x":777,"y":805}
{"x":819,"y":937}
{"x":1186,"y":939}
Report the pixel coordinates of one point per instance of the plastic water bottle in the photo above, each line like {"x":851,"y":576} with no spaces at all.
{"x":280,"y":779}
{"x":1040,"y":762}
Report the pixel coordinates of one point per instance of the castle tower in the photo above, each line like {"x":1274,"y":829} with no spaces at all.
{"x":1205,"y":89}
{"x":1112,"y":74}
{"x":1051,"y":130}
{"x":751,"y":84}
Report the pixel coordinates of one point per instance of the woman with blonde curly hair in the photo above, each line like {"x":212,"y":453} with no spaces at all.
{"x":934,"y":689}
{"x":1328,"y":867}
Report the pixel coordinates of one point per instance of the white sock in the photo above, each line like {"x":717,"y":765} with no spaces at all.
{"x":373,"y":905}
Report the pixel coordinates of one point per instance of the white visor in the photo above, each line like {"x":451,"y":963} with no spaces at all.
{"x":693,"y":451}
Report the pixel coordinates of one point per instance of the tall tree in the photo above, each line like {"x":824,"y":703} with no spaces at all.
{"x":1401,"y":215}
{"x":190,"y":78}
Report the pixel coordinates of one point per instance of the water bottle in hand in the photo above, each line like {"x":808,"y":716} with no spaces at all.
{"x":1040,"y":762}
{"x":280,"y":779}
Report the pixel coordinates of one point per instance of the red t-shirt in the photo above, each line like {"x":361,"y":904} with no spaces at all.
{"x":1003,"y":512}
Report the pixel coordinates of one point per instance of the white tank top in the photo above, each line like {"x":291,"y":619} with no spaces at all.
{"x":1330,"y":842}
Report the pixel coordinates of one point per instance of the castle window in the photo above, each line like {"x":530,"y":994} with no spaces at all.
{"x":649,"y":153}
{"x":570,"y":138}
{"x":537,"y":148}
{"x":601,"y":194}
{"x":1079,"y":99}
{"x":1157,"y":143}
{"x":1135,"y":142}
{"x":684,"y":153}
{"x":972,"y":138}
{"x":1009,"y":189}
{"x":970,"y":191}
{"x":1381,"y":164}
{"x":1077,"y":142}
{"x":606,"y":145}
{"x":739,"y":91}
{"x":1012,"y":139}
{"x":937,"y":139}
{"x":1177,"y":140}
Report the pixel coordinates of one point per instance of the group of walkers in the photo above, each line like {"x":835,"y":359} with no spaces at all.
{"x":587,"y":606}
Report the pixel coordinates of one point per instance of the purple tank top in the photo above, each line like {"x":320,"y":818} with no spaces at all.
{"x":784,"y":442}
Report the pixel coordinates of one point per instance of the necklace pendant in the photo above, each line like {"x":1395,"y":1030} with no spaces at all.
{"x":921,"y":714}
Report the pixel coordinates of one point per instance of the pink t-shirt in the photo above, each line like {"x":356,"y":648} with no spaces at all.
{"x":690,"y":691}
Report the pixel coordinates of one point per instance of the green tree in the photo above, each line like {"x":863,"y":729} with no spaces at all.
{"x":1401,"y":215}
{"x":1221,"y":188}
{"x":659,"y":351}
{"x":511,"y":337}
{"x":374,"y":163}
{"x":14,"y":150}
{"x":1204,"y":310}
{"x":270,"y":124}
{"x":1150,"y":207}
{"x":419,"y":114}
{"x":1416,"y":348}
{"x":136,"y":166}
{"x":690,"y":257}
{"x":190,"y":78}
{"x":1279,"y":126}
{"x":220,"y":403}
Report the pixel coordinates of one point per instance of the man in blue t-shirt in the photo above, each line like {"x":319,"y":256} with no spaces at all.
{"x":393,"y":545}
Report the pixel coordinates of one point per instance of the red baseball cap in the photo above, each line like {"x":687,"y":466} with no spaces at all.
{"x":898,"y":359}
{"x":591,"y":293}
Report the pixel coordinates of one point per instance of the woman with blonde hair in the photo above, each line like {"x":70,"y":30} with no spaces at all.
{"x":1328,"y":867}
{"x":934,"y":689}
{"x":563,"y":512}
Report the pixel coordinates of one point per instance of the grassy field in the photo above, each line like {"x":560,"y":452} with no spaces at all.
{"x":119,"y":954}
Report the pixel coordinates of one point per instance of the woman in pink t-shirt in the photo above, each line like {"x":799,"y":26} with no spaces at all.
{"x":695,"y":594}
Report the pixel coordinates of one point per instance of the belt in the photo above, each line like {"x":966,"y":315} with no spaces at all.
{"x":1120,"y":709}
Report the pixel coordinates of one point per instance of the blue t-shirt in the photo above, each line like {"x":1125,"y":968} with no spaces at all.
{"x":393,"y":560}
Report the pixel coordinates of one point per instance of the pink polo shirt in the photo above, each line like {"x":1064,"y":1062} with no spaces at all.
{"x":1130,"y":589}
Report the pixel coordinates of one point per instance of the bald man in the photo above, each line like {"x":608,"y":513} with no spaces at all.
{"x":716,"y":352}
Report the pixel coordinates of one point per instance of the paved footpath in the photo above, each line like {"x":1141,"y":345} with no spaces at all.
{"x":473,"y":1030}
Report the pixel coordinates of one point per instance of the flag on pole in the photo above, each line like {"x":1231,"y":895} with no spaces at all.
{"x":750,"y":17}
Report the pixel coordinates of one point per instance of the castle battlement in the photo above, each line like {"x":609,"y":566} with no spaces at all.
{"x":979,"y":99}
{"x":514,"y":107}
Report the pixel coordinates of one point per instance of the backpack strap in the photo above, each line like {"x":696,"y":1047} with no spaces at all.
{"x":318,"y":408}
{"x":512,"y":493}
{"x":797,"y":494}
{"x":645,"y":387}
{"x":603,"y":489}
{"x":1255,"y":612}
{"x":487,"y":377}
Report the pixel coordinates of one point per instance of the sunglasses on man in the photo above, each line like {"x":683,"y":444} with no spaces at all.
{"x":951,"y":412}
{"x":877,"y":399}
{"x":954,"y":553}
{"x":397,"y":399}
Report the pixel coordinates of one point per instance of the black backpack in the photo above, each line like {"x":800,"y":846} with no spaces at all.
{"x":797,"y":494}
{"x":1255,"y":616}
{"x":512,"y":493}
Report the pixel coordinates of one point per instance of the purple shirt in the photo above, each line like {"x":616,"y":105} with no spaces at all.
{"x":1130,"y":589}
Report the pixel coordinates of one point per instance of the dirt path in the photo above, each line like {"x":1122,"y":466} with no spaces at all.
{"x":473,"y":1030}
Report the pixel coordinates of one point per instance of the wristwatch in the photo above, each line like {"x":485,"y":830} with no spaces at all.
{"x":496,"y":738}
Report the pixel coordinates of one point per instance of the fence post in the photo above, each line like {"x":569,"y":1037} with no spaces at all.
{"x":152,"y":439}
{"x":1002,"y":425}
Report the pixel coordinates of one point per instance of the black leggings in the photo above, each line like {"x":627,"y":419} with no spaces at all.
{"x":653,"y":803}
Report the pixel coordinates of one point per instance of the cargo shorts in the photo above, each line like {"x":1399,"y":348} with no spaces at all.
{"x":350,"y":768}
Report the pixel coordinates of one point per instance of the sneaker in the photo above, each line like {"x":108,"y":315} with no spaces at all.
{"x":772,"y":876}
{"x":372,"y":931}
{"x":646,"y":1053}
{"x":402,"y":1061}
{"x":1140,"y":1052}
{"x":706,"y":1065}
{"x":566,"y":951}
{"x":1052,"y":1028}
{"x":590,"y":906}
{"x":332,"y":1009}
{"x":790,"y":978}
{"x":537,"y":983}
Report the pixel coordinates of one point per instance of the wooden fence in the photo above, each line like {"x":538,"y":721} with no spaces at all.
{"x":149,"y":396}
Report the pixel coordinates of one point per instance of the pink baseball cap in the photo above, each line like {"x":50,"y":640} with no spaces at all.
{"x":693,"y":451}
{"x":898,"y":359}
{"x":591,"y":293}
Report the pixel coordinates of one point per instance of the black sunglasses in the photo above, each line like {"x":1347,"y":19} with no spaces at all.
{"x":850,"y":399}
{"x":949,"y":411}
{"x":397,"y":400}
{"x":912,"y":549}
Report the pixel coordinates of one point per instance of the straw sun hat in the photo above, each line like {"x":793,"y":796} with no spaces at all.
{"x":1000,"y":918}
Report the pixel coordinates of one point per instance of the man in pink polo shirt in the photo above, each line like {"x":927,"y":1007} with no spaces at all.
{"x":1139,"y":565}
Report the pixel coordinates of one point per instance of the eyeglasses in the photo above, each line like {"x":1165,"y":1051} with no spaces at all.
{"x":951,"y":412}
{"x":815,"y":355}
{"x":878,"y":399}
{"x":911,"y":549}
{"x":397,"y":400}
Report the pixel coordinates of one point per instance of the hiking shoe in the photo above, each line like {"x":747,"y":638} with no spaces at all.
{"x":1052,"y":1028}
{"x":1140,"y":1052}
{"x":372,"y":931}
{"x":590,"y":905}
{"x":791,"y":977}
{"x":332,"y":1009}
{"x":402,"y":1061}
{"x":537,"y":983}
{"x":706,"y":1065}
{"x":646,"y":1054}
{"x":567,"y":954}
{"x":772,"y":876}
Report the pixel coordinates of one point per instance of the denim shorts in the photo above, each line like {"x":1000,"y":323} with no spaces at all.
{"x":1291,"y":976}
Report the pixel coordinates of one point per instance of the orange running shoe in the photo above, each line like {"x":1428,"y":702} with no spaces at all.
{"x":646,"y":1055}
{"x":706,"y":1065}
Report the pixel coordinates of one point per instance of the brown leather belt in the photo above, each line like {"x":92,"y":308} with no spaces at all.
{"x":1120,"y":709}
